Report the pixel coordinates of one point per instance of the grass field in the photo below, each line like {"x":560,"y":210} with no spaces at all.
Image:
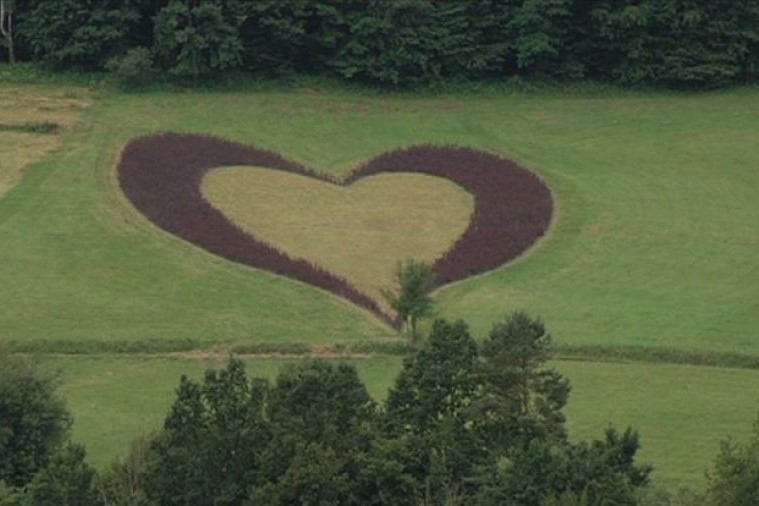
{"x":25,"y":109}
{"x":682,"y":412}
{"x":653,"y":244}
{"x":115,"y":399}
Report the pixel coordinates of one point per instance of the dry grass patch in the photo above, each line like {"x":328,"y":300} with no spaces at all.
{"x":359,"y":232}
{"x":28,"y":106}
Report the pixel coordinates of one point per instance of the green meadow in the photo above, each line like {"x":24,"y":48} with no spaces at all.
{"x":682,"y":412}
{"x":653,"y":244}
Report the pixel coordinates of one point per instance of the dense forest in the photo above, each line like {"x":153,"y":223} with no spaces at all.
{"x":672,"y":43}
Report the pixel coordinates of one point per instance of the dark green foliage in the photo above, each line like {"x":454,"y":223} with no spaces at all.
{"x":229,"y":437}
{"x":402,"y":42}
{"x":412,"y":42}
{"x":426,"y":412}
{"x":546,"y":472}
{"x":282,"y":37}
{"x":541,"y":31}
{"x":134,"y":69}
{"x":320,"y":402}
{"x":320,"y":416}
{"x":316,"y":475}
{"x":33,"y":420}
{"x":411,"y":299}
{"x":522,"y":400}
{"x":122,"y":483}
{"x":677,"y":43}
{"x":382,"y":477}
{"x":212,"y":441}
{"x":682,"y":43}
{"x":708,"y":41}
{"x":490,"y":53}
{"x":82,"y":34}
{"x":195,"y":38}
{"x":10,"y":496}
{"x":734,"y":481}
{"x":460,"y":426}
{"x":606,"y":470}
{"x":66,"y":481}
{"x":437,"y":382}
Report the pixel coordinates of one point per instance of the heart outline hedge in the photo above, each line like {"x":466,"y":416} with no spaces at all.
{"x":161,"y":174}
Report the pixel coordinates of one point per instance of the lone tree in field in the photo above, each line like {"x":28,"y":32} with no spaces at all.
{"x":411,"y":298}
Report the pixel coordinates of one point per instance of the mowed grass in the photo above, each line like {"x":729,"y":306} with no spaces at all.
{"x":22,"y":108}
{"x":360,"y":232}
{"x":654,"y":239}
{"x":682,"y":412}
{"x":115,"y":399}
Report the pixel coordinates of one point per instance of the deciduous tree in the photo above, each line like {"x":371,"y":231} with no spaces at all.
{"x":66,"y":480}
{"x":34,"y":421}
{"x":411,"y":298}
{"x":734,"y":480}
{"x":80,"y":34}
{"x":194,"y":38}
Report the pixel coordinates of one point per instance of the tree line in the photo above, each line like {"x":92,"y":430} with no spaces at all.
{"x":464,"y":423}
{"x":673,"y":43}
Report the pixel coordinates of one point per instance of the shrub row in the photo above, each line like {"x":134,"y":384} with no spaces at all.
{"x":31,"y":127}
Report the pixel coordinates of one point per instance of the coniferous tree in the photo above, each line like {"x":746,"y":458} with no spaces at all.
{"x":523,"y":399}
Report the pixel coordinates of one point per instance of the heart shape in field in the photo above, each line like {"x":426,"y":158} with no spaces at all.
{"x":376,"y":221}
{"x":162,"y":176}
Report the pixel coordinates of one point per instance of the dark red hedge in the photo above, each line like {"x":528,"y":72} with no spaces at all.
{"x":161,"y":174}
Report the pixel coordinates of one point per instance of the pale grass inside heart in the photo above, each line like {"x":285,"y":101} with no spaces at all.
{"x":359,"y":232}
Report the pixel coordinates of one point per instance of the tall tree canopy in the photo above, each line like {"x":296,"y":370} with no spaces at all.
{"x":676,"y":43}
{"x":34,"y":422}
{"x":462,"y":424}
